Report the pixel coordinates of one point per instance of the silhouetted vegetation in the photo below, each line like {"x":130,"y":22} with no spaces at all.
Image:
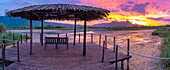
{"x":45,"y":27}
{"x":49,"y":27}
{"x":125,"y":28}
{"x":92,"y":28}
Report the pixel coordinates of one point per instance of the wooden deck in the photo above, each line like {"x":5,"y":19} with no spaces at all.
{"x":61,"y":58}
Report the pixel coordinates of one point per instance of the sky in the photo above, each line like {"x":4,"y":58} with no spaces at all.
{"x":143,"y":12}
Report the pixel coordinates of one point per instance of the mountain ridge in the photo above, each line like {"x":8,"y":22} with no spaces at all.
{"x":115,"y":24}
{"x":16,"y":22}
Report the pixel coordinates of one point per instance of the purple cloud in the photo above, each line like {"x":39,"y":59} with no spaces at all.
{"x":131,"y":2}
{"x":140,"y":8}
{"x":130,"y":6}
{"x":105,"y":19}
{"x":113,"y":10}
{"x":125,"y":7}
{"x":159,"y":19}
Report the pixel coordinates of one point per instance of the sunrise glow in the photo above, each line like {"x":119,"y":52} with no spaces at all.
{"x":134,"y":19}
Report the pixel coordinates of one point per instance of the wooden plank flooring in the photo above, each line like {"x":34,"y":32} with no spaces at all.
{"x":61,"y":58}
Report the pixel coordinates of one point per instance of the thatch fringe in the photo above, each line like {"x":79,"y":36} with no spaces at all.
{"x":60,"y":12}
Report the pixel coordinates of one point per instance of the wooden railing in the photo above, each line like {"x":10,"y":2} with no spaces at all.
{"x":115,"y":47}
{"x":3,"y":47}
{"x":6,"y":42}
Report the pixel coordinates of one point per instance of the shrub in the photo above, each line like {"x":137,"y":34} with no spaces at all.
{"x":9,"y":36}
{"x":60,"y":27}
{"x":37,"y":27}
{"x":2,"y":28}
{"x":49,"y":27}
{"x":165,"y":49}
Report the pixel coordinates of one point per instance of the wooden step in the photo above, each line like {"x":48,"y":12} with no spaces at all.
{"x":119,"y":59}
{"x":7,"y":62}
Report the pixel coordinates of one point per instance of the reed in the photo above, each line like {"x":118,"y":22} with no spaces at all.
{"x":165,"y":46}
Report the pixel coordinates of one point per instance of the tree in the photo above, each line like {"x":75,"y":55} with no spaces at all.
{"x":2,"y":28}
{"x":49,"y":27}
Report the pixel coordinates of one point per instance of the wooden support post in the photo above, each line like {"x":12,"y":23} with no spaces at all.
{"x":74,"y":42}
{"x":128,"y":45}
{"x":91,"y":37}
{"x":40,"y":38}
{"x":106,"y":40}
{"x":18,"y":58}
{"x":100,"y":40}
{"x":84,"y":41}
{"x":3,"y":58}
{"x":79,"y":37}
{"x":21,"y":38}
{"x":42,"y":26}
{"x":114,"y":41}
{"x":128,"y":64}
{"x":26,"y":37}
{"x":103,"y":51}
{"x":122,"y":64}
{"x":4,"y":39}
{"x":13,"y":40}
{"x":31,"y":33}
{"x":116,"y":57}
{"x":66,"y":34}
{"x":4,"y":47}
{"x":58,"y":34}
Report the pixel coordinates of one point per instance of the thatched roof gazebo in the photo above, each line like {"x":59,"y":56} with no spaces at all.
{"x":59,"y":12}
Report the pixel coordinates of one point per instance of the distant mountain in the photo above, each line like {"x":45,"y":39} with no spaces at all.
{"x":115,"y":24}
{"x":62,"y":24}
{"x":19,"y":22}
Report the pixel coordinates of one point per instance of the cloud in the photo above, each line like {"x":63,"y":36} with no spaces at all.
{"x":3,"y":11}
{"x":125,"y":7}
{"x":24,"y":3}
{"x":131,"y":2}
{"x":6,"y":10}
{"x":105,"y":19}
{"x":140,"y":8}
{"x":167,"y":11}
{"x":113,"y":10}
{"x":15,"y":4}
{"x":159,"y":19}
{"x":130,"y":6}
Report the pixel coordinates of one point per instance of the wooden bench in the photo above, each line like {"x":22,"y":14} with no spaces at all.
{"x":56,"y":40}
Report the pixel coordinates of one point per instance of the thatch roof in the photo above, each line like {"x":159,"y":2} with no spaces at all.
{"x":59,"y":12}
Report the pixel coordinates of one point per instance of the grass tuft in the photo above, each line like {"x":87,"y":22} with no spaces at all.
{"x":165,"y":47}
